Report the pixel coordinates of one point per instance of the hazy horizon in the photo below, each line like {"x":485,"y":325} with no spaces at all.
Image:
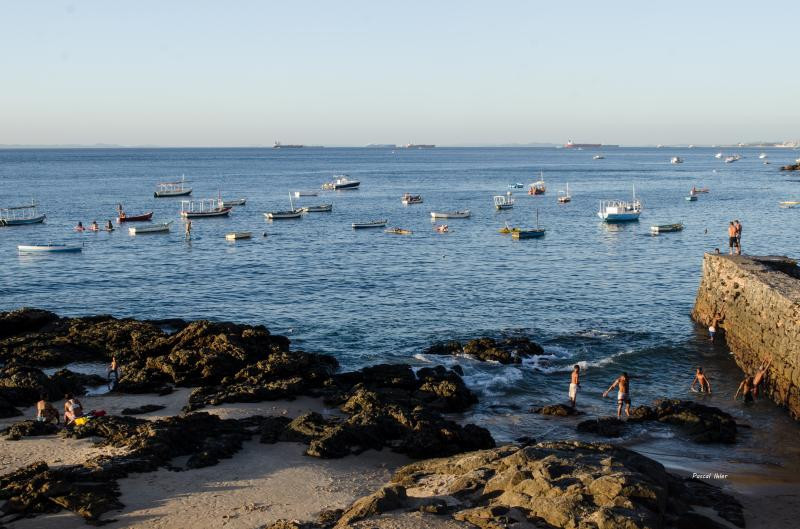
{"x":206,"y":74}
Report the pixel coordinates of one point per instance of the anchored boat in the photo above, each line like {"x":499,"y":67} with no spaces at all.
{"x":49,"y":248}
{"x":298,"y":194}
{"x":789,"y":203}
{"x":529,"y":233}
{"x":518,"y":185}
{"x":691,"y":198}
{"x":207,"y":207}
{"x":503,"y":202}
{"x":341,"y":182}
{"x":620,"y":210}
{"x":238,"y":235}
{"x":173,"y":189}
{"x":293,"y":213}
{"x":398,"y":231}
{"x":676,"y":159}
{"x":462,"y":214}
{"x":538,"y":188}
{"x":322,"y":208}
{"x":21,"y":215}
{"x":564,"y":196}
{"x":371,"y":224}
{"x":408,"y":198}
{"x":124,"y":217}
{"x":162,"y":227}
{"x":232,"y":203}
{"x":666,"y":228}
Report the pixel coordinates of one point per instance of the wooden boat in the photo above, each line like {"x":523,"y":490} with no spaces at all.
{"x":123,"y":217}
{"x":292,"y":213}
{"x":503,"y":202}
{"x":408,"y":198}
{"x":371,"y":224}
{"x":161,"y":227}
{"x":322,"y":208}
{"x":441,"y":228}
{"x":620,"y":210}
{"x":564,"y":196}
{"x":341,"y":182}
{"x":21,"y":215}
{"x":49,"y":248}
{"x":205,"y":208}
{"x":232,"y":203}
{"x":789,"y":203}
{"x":529,"y":233}
{"x":539,"y":187}
{"x":397,"y":231}
{"x":298,"y":194}
{"x":238,"y":235}
{"x":462,"y":214}
{"x":666,"y":228}
{"x":173,"y":189}
{"x":691,"y":198}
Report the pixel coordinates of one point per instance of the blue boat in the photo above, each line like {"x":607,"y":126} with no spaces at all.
{"x":529,"y":233}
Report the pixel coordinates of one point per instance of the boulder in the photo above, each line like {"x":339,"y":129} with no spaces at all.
{"x":602,"y":426}
{"x":145,"y":408}
{"x":556,"y":410}
{"x":30,"y":428}
{"x":703,"y":424}
{"x":509,"y":350}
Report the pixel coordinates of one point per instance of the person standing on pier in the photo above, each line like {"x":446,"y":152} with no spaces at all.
{"x":623,"y":394}
{"x":575,"y":383}
{"x":731,"y":238}
{"x":738,"y":237}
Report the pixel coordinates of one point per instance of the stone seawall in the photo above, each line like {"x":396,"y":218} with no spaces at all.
{"x":758,"y":301}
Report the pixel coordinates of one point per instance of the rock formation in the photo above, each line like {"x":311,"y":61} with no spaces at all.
{"x":511,"y":350}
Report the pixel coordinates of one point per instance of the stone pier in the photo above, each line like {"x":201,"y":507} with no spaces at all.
{"x":758,"y":301}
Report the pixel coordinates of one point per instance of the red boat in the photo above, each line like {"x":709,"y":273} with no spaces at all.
{"x":134,"y":218}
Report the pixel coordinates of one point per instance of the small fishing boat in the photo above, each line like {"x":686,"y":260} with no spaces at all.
{"x":462,"y":214}
{"x":762,"y":156}
{"x":666,"y":228}
{"x":529,"y":233}
{"x":698,"y":190}
{"x":21,"y":215}
{"x":232,"y":203}
{"x":441,"y":228}
{"x":173,"y":189}
{"x":598,"y":157}
{"x":298,"y":194}
{"x":322,"y":208}
{"x":518,"y":185}
{"x":789,"y":203}
{"x":293,"y":213}
{"x":238,"y":235}
{"x":124,"y":217}
{"x":676,"y":159}
{"x":49,"y":248}
{"x":397,"y":231}
{"x":205,"y":208}
{"x":620,"y":210}
{"x":370,"y":224}
{"x":564,"y":196}
{"x":691,"y":198}
{"x":408,"y":199}
{"x":502,"y":202}
{"x":731,"y":159}
{"x":341,"y":182}
{"x":162,"y":227}
{"x":538,"y":188}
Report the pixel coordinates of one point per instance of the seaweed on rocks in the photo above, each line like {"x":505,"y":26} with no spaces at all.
{"x":509,"y":350}
{"x":22,"y":385}
{"x":29,"y":428}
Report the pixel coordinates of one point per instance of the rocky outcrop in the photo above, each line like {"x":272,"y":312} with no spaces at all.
{"x":791,"y":167}
{"x":556,"y":410}
{"x":511,"y":350}
{"x":602,"y":426}
{"x":30,"y":428}
{"x":758,"y":301}
{"x":555,"y":485}
{"x":144,"y":408}
{"x":22,"y":385}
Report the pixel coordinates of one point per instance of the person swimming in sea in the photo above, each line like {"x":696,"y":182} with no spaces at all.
{"x":702,"y":379}
{"x":623,"y":394}
{"x":79,"y":227}
{"x":575,"y":383}
{"x":746,"y":389}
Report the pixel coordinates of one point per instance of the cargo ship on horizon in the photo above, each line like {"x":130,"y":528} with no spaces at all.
{"x":571,"y":145}
{"x":419,"y":146}
{"x":279,"y":145}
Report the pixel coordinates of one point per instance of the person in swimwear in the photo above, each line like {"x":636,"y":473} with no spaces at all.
{"x":623,"y":394}
{"x":79,"y":227}
{"x":109,"y":226}
{"x":94,"y":226}
{"x":746,"y":389}
{"x":575,"y":383}
{"x":731,"y":238}
{"x":738,"y":226}
{"x":702,"y":379}
{"x":72,"y":408}
{"x":759,"y":376}
{"x":45,"y":412}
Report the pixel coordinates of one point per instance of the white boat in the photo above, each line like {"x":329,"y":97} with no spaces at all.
{"x":204,"y":208}
{"x":518,"y":185}
{"x":49,"y":248}
{"x":676,"y":159}
{"x":620,"y":210}
{"x":162,"y":227}
{"x":462,"y":214}
{"x":691,"y":198}
{"x":731,"y":159}
{"x":718,"y":156}
{"x":762,"y":156}
{"x":322,"y":208}
{"x":408,"y":198}
{"x":173,"y":189}
{"x":21,"y":215}
{"x":231,"y":203}
{"x":790,"y":203}
{"x":370,"y":224}
{"x":238,"y":235}
{"x":564,"y":196}
{"x":502,"y":202}
{"x":341,"y":182}
{"x":666,"y":228}
{"x":293,"y":213}
{"x":298,"y":194}
{"x":598,"y":157}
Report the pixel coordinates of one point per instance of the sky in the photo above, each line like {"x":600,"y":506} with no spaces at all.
{"x":239,"y":73}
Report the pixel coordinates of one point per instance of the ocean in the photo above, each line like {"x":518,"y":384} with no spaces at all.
{"x":611,"y":298}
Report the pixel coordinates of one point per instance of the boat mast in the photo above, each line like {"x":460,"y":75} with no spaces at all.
{"x":291,"y":203}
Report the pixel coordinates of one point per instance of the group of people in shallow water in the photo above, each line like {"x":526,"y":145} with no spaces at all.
{"x":94,"y":226}
{"x":748,"y":388}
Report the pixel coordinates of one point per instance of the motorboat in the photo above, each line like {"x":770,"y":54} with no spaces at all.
{"x":598,"y":157}
{"x":408,"y":199}
{"x":322,"y":208}
{"x":173,"y":189}
{"x":462,"y":214}
{"x":369,"y":224}
{"x":298,"y":194}
{"x":397,"y":231}
{"x":21,"y":215}
{"x":789,"y":203}
{"x":238,"y":235}
{"x":691,"y":198}
{"x":666,"y":228}
{"x":718,"y":156}
{"x":518,"y":185}
{"x":734,"y":158}
{"x":564,"y":196}
{"x":205,"y":208}
{"x":620,"y":210}
{"x":49,"y":248}
{"x":162,"y":227}
{"x":762,"y":156}
{"x":676,"y":159}
{"x":341,"y":182}
{"x":502,"y":202}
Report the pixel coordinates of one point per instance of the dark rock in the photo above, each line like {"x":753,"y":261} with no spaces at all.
{"x":556,"y":410}
{"x":703,"y":424}
{"x":510,"y":350}
{"x":388,"y":498}
{"x":7,"y":410}
{"x":30,"y":428}
{"x":24,"y":321}
{"x":603,"y":426}
{"x":145,"y":408}
{"x":21,"y":385}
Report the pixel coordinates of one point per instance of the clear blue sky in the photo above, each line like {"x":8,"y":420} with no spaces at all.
{"x":355,"y":72}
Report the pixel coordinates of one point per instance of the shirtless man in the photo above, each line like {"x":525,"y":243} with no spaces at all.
{"x":623,"y":394}
{"x":746,"y":389}
{"x":45,"y":411}
{"x":575,"y":383}
{"x":759,"y":376}
{"x":700,"y":378}
{"x":732,"y":240}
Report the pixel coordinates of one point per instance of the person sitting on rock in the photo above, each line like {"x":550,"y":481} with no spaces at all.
{"x":702,"y":379}
{"x":73,"y":408}
{"x":746,"y":389}
{"x":45,"y":412}
{"x":759,"y":376}
{"x":623,"y":394}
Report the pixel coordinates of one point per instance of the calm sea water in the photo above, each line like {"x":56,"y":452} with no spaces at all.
{"x":611,"y":297}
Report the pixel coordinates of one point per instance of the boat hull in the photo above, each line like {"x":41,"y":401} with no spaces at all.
{"x":280,"y":215}
{"x":619,"y":217}
{"x":22,"y":222}
{"x":450,"y":214}
{"x":156,"y":228}
{"x":49,"y":248}
{"x":324,"y":208}
{"x":205,"y":214}
{"x":367,"y":225}
{"x":666,"y":228}
{"x":231,"y":203}
{"x":168,"y":194}
{"x":527,"y":234}
{"x":349,"y":185}
{"x":238,"y":235}
{"x":136,"y":218}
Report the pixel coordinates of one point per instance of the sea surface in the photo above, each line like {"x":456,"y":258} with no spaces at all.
{"x":611,"y":298}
